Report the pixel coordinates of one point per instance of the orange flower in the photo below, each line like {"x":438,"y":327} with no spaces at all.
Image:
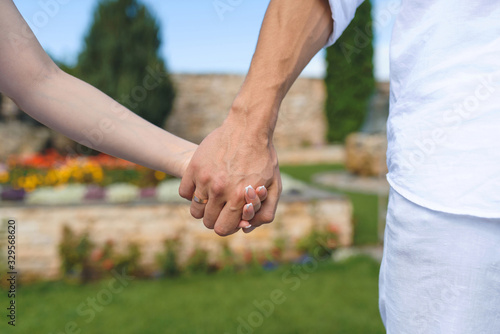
{"x":107,"y":264}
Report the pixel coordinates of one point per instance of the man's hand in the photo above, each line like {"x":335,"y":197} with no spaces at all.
{"x":225,"y":163}
{"x":240,"y":152}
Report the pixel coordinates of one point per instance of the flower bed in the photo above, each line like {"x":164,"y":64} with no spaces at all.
{"x":53,"y":178}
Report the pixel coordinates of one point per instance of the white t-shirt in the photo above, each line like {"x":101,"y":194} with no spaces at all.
{"x":443,"y":129}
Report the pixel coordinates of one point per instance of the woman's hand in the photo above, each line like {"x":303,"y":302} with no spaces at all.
{"x":253,"y":198}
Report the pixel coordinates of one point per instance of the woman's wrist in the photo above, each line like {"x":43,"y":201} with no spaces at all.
{"x":179,"y":163}
{"x":185,"y":160}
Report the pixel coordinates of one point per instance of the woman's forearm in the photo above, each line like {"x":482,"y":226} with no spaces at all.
{"x":76,"y":109}
{"x":86,"y":115}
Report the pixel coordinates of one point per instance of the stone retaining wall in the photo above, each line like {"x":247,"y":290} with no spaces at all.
{"x":203,"y":101}
{"x":149,"y":224}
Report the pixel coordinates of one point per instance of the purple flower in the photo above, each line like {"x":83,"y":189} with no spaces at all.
{"x":13,"y":194}
{"x":148,"y":192}
{"x":95,"y":193}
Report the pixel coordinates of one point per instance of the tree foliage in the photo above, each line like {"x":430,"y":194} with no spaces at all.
{"x":349,"y":78}
{"x":121,"y":58}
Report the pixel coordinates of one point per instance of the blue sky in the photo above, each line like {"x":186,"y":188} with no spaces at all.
{"x":196,"y":37}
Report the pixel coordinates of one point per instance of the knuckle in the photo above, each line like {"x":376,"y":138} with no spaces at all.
{"x":208,"y":223}
{"x":194,"y":164}
{"x":217,"y":189}
{"x":221,"y":231}
{"x":267,"y":217}
{"x":204,"y":178}
{"x":196,"y":213}
{"x":184,"y":193}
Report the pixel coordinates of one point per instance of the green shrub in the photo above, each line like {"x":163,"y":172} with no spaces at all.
{"x":229,"y":261}
{"x":168,"y":261}
{"x":83,"y":261}
{"x":349,"y":76}
{"x":319,"y":242}
{"x":198,"y":263}
{"x":121,"y":58}
{"x":75,"y":251}
{"x":130,"y":262}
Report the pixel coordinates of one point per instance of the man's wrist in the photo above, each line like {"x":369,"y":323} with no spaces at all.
{"x":256,"y":114}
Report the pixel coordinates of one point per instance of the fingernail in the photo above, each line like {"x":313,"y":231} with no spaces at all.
{"x":247,"y":227}
{"x":248,"y":206}
{"x":259,"y":189}
{"x":251,"y":193}
{"x":250,"y":229}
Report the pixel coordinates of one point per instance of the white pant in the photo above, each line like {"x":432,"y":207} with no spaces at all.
{"x":440,"y":272}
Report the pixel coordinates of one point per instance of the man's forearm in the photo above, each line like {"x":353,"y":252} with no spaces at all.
{"x":241,"y":152}
{"x":293,"y":31}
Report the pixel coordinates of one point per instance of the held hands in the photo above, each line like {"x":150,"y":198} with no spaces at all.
{"x":225,"y":163}
{"x":253,"y":198}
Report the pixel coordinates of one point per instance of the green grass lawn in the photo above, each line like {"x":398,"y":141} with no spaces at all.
{"x":330,"y":298}
{"x":364,"y":205}
{"x":322,"y":297}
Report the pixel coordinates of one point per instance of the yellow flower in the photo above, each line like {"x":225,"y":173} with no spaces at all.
{"x":78,"y":174}
{"x":19,"y":182}
{"x":51,"y":177}
{"x":160,"y":175}
{"x":4,"y":177}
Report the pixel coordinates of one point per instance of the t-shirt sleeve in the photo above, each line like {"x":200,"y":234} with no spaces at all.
{"x":342,"y":13}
